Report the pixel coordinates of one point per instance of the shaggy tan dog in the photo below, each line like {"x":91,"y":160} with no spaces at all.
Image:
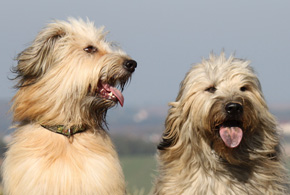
{"x":220,"y":137}
{"x":67,"y":81}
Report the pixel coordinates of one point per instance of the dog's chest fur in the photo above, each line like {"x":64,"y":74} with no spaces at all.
{"x":208,"y":175}
{"x":41,"y":162}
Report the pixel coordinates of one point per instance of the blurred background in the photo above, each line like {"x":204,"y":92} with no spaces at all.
{"x":166,"y":38}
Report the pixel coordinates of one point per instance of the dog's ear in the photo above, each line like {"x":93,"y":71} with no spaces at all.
{"x":35,"y":60}
{"x":172,"y":126}
{"x":173,"y":122}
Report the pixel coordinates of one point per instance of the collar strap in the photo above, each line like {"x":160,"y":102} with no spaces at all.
{"x":66,"y":131}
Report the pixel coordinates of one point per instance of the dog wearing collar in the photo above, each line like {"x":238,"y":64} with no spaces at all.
{"x":67,"y":80}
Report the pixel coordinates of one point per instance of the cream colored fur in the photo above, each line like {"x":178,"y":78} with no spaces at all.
{"x":42,"y":162}
{"x":192,"y":157}
{"x":59,"y":78}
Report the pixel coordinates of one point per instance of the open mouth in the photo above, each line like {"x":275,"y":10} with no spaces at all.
{"x":231,"y":133}
{"x":109,"y":92}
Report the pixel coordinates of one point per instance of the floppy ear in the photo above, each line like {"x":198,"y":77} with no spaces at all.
{"x":172,"y":128}
{"x":173,"y":122}
{"x":35,"y":60}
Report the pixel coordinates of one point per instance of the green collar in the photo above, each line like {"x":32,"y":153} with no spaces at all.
{"x":66,"y":131}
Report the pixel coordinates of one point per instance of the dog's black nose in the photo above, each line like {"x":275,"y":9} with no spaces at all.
{"x":234,"y":109}
{"x":130,"y":65}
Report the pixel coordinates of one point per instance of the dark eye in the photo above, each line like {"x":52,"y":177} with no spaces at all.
{"x":211,"y":89}
{"x":243,"y":89}
{"x":90,"y":49}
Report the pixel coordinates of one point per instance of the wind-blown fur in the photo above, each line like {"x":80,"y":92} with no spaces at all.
{"x":59,"y":78}
{"x":193,"y":159}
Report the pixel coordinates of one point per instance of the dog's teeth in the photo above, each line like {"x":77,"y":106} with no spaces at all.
{"x":106,"y":93}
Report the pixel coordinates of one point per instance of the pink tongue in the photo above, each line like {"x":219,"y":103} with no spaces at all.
{"x":116,"y":92}
{"x":231,"y":136}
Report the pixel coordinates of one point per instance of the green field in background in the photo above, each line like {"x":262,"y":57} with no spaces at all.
{"x":139,"y":173}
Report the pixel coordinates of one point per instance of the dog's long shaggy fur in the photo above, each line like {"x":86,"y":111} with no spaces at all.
{"x":68,"y":77}
{"x":220,"y":137}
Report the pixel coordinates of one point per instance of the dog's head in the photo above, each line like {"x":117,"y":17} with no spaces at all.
{"x":70,"y":75}
{"x":220,"y":103}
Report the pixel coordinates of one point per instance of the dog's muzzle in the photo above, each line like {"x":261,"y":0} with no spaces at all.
{"x":231,"y":131}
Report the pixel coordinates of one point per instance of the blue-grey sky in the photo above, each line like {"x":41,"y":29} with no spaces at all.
{"x":165,"y":38}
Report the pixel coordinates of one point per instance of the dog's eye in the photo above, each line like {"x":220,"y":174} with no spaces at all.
{"x":90,"y":49}
{"x":243,"y":88}
{"x":211,"y":89}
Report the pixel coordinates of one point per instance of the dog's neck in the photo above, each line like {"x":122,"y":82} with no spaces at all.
{"x":64,"y":130}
